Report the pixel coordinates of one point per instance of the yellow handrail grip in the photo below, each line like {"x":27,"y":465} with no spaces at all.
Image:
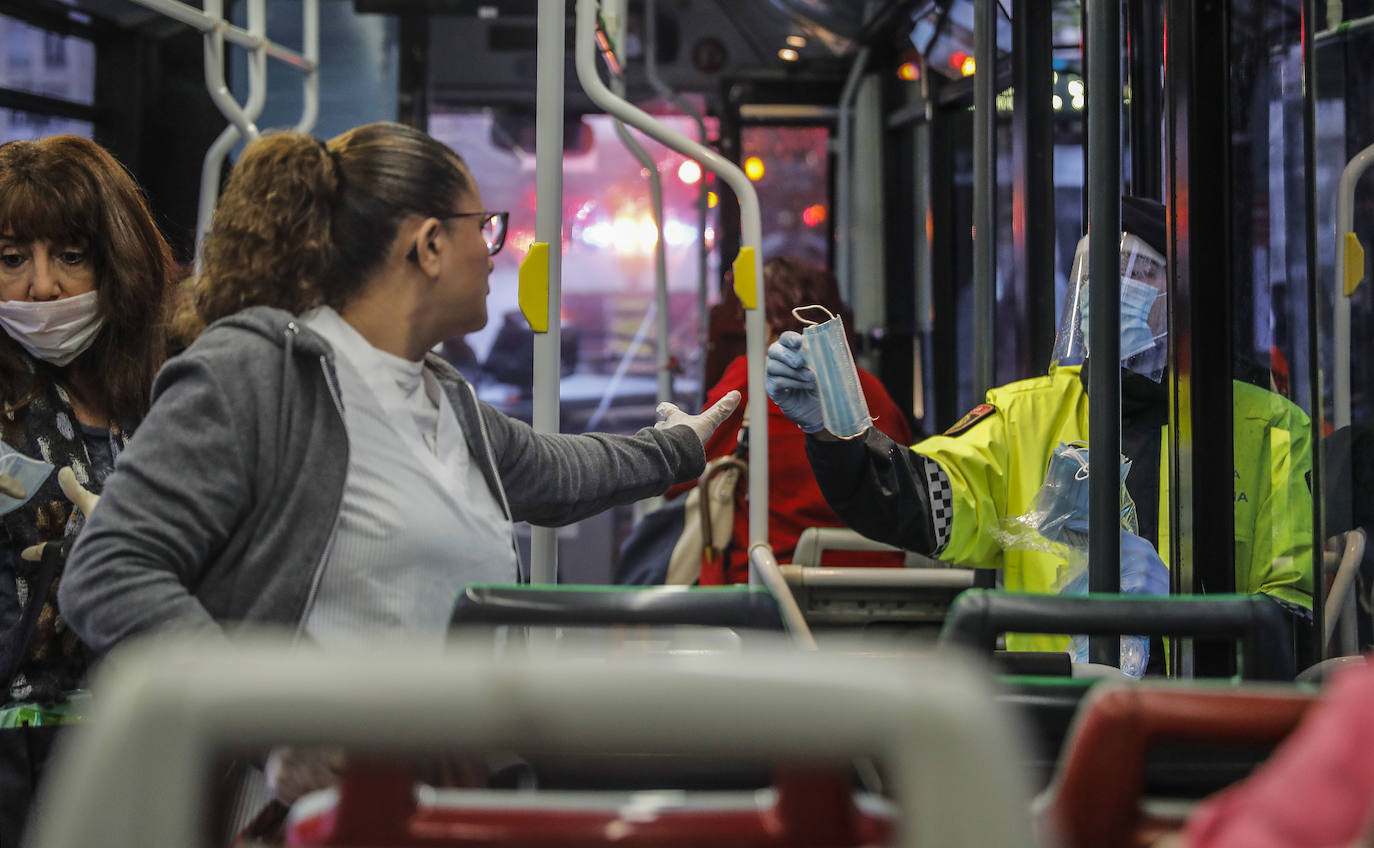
{"x":746,"y":284}
{"x":534,"y":287}
{"x":1354,"y":264}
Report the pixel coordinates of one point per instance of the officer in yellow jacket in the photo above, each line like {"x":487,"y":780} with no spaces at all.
{"x":948,"y":495}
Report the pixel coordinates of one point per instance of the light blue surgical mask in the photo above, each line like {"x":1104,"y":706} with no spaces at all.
{"x":29,"y":473}
{"x":843,"y":407}
{"x":1137,"y":300}
{"x":1062,"y":501}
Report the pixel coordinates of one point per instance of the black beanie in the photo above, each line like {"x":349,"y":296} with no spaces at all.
{"x":1146,"y":219}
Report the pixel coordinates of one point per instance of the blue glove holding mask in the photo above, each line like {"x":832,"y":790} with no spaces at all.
{"x":791,"y":385}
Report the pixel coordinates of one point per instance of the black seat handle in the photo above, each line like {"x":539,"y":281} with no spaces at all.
{"x":493,"y":605}
{"x":1258,"y":624}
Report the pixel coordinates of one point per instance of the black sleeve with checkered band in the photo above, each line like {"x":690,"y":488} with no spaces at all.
{"x":878,"y":487}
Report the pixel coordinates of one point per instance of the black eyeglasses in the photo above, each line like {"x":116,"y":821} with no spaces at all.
{"x":493,"y":231}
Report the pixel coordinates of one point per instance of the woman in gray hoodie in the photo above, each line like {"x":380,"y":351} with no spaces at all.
{"x":307,"y":462}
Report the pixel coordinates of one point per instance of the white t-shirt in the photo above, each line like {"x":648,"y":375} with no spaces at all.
{"x":418,"y":521}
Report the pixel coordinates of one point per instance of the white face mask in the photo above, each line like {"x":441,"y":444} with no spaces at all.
{"x":55,"y":331}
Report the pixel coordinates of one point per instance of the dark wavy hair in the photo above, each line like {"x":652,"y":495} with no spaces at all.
{"x":303,"y":223}
{"x":69,"y":191}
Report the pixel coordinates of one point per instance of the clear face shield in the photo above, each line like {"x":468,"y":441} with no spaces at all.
{"x":1144,"y":327}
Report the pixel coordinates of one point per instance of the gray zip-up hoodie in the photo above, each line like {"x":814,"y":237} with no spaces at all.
{"x":222,"y":509}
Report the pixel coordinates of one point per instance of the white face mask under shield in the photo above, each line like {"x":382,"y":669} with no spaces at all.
{"x":55,"y":331}
{"x":1144,"y":327}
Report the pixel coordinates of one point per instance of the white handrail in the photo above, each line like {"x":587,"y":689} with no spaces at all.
{"x":1340,"y":602}
{"x":751,"y":237}
{"x":169,"y":709}
{"x":844,"y":174}
{"x":548,"y":229}
{"x":665,"y":376}
{"x":207,"y":21}
{"x":615,"y":16}
{"x":764,"y":565}
{"x":217,"y":30}
{"x":242,"y":120}
{"x":1345,"y":223}
{"x":703,"y":252}
{"x":242,"y":117}
{"x":310,"y":78}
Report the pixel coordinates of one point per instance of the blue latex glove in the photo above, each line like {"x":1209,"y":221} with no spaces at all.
{"x":1142,"y":573}
{"x":791,"y":384}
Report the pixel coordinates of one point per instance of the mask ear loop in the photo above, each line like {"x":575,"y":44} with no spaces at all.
{"x":1076,"y":449}
{"x":830,"y":316}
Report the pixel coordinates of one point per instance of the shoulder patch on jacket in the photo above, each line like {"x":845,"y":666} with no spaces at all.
{"x":978,"y":413}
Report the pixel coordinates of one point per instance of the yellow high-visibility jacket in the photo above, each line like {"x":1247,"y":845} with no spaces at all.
{"x":997,"y":464}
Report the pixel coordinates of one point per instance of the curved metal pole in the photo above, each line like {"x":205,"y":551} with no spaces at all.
{"x":213,"y":164}
{"x":621,"y":367}
{"x":665,"y":375}
{"x":844,"y":174}
{"x":751,"y":237}
{"x":1104,"y":318}
{"x":310,"y":46}
{"x":217,"y":31}
{"x":548,"y":229}
{"x":1345,"y":225}
{"x":208,"y":22}
{"x":215,"y":82}
{"x":765,"y":565}
{"x":703,"y":252}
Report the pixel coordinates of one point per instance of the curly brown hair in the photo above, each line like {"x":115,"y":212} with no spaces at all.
{"x":69,"y":190}
{"x":303,"y":223}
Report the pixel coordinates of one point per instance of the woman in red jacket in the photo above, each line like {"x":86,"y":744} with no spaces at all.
{"x":794,"y":499}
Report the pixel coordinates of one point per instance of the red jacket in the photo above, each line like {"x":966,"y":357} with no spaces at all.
{"x":794,"y":499}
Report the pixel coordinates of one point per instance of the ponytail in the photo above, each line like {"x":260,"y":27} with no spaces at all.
{"x":302,"y":224}
{"x":269,"y":243}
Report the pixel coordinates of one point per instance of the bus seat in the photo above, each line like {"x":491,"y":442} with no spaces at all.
{"x":813,"y":543}
{"x":171,"y":710}
{"x":1095,"y":798}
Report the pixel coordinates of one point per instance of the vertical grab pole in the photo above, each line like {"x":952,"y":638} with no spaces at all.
{"x":665,"y":375}
{"x":242,"y":126}
{"x":548,"y":230}
{"x":216,"y":32}
{"x":619,"y":25}
{"x":1349,"y":273}
{"x":1104,"y":318}
{"x":703,"y":252}
{"x":844,"y":176}
{"x":748,"y":266}
{"x":984,"y":194}
{"x":310,"y":80}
